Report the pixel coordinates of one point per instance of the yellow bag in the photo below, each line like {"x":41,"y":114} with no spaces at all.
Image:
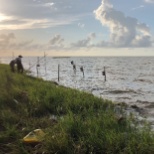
{"x":34,"y":136}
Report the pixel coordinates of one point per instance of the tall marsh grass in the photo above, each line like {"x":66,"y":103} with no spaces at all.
{"x":74,"y":122}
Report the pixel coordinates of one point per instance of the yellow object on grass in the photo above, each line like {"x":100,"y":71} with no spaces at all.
{"x":35,"y":136}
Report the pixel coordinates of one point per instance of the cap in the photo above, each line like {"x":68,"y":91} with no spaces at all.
{"x":20,"y":56}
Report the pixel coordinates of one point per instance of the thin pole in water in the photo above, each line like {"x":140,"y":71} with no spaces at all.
{"x":58,"y":72}
{"x":12,"y":55}
{"x":74,"y":67}
{"x":45,"y":64}
{"x":37,"y":66}
{"x":82,"y":70}
{"x":104,"y":74}
{"x":29,"y":66}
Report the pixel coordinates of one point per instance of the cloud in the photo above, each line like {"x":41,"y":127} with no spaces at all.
{"x":85,"y":42}
{"x":16,"y":23}
{"x":139,"y":7}
{"x":31,"y":14}
{"x":56,"y":41}
{"x":7,"y":37}
{"x":8,"y":42}
{"x":124,"y":31}
{"x":149,"y":1}
{"x":81,"y":25}
{"x":5,"y":40}
{"x":49,"y":4}
{"x":21,"y":14}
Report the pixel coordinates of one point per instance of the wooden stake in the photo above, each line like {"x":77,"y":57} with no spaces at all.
{"x":37,"y":70}
{"x":29,"y":66}
{"x":74,"y":68}
{"x":104,"y":74}
{"x":82,"y":70}
{"x":45,"y":65}
{"x":12,"y":55}
{"x":37,"y":66}
{"x":58,"y":72}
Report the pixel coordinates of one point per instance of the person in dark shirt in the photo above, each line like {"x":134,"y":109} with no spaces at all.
{"x":12,"y":65}
{"x":18,"y":61}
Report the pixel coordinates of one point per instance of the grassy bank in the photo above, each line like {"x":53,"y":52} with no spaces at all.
{"x":74,"y":122}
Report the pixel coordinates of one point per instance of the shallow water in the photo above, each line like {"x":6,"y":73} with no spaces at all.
{"x":129,"y":79}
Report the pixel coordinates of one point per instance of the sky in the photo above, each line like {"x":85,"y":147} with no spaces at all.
{"x":77,"y":27}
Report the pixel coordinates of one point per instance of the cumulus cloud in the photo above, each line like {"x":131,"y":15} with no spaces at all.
{"x":81,"y":25}
{"x":8,"y":42}
{"x":149,"y":1}
{"x":124,"y":31}
{"x":5,"y":40}
{"x":85,"y":42}
{"x":48,"y":4}
{"x":56,"y":41}
{"x":7,"y":37}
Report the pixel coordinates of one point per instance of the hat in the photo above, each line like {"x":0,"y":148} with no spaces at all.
{"x":20,"y":56}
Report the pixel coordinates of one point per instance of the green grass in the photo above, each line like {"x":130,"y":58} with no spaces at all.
{"x":84,"y":124}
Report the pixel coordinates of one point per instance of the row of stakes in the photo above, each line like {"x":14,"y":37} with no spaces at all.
{"x":82,"y":70}
{"x":74,"y":69}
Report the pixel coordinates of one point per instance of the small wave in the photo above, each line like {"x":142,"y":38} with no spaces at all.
{"x":150,"y":105}
{"x":144,"y":102}
{"x":97,"y":89}
{"x":143,"y":80}
{"x":128,"y":98}
{"x":120,"y":91}
{"x":132,"y":108}
{"x":60,"y":57}
{"x":138,"y":109}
